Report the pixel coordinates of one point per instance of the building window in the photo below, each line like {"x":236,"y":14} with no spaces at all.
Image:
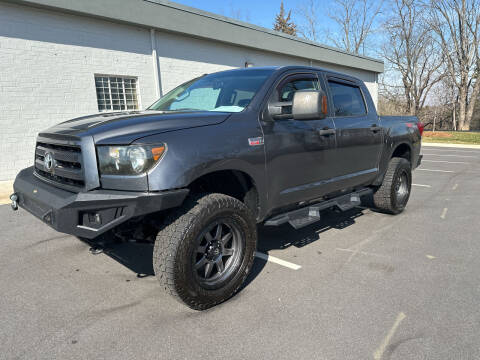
{"x":116,"y":93}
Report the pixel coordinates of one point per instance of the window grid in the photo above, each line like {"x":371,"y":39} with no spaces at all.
{"x":116,"y":93}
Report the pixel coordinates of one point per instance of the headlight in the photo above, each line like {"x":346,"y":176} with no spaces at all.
{"x":128,"y":160}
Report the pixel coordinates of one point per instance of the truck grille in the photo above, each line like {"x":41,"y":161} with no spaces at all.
{"x":60,"y":164}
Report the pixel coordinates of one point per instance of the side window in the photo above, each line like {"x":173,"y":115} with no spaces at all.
{"x":347,"y":99}
{"x":287,"y":89}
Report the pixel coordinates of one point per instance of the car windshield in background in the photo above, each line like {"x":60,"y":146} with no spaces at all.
{"x":229,"y":91}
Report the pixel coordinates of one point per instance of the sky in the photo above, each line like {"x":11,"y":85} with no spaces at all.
{"x":258,"y":12}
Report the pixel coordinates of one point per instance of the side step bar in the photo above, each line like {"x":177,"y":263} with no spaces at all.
{"x":309,"y":214}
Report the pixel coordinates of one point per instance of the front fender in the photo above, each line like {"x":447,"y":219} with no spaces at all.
{"x":195,"y":152}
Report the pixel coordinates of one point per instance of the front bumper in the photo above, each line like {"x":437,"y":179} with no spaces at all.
{"x":88,"y":214}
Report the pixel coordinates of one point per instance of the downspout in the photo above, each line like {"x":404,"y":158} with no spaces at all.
{"x":156,"y":67}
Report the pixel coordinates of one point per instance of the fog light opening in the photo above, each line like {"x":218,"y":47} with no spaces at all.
{"x":95,"y":218}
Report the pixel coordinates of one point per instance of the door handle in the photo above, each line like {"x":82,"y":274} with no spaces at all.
{"x":375,"y":128}
{"x":326,"y":132}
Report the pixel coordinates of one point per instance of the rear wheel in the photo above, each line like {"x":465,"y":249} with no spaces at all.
{"x":392,"y":196}
{"x":205,"y":251}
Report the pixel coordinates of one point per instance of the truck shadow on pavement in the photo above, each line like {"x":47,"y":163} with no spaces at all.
{"x":284,"y":236}
{"x":137,"y":256}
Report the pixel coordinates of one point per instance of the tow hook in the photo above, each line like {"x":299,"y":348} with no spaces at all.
{"x":14,"y":204}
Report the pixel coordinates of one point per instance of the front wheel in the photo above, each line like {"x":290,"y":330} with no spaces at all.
{"x":392,"y":196}
{"x":204,"y":253}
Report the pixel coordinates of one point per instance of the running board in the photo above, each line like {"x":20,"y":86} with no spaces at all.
{"x":309,"y":214}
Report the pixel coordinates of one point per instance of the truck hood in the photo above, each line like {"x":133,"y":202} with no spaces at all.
{"x":123,"y":128}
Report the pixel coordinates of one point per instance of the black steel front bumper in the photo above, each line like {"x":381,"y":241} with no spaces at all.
{"x":88,"y":214}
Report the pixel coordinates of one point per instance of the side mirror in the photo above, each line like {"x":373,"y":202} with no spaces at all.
{"x":309,"y":105}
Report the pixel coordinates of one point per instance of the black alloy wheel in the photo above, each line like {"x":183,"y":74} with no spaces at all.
{"x":205,"y":249}
{"x":220,"y":247}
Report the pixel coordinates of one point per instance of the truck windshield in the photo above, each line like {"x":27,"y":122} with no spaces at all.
{"x":229,"y":91}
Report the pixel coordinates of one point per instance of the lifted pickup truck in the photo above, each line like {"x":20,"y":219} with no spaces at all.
{"x":197,"y":170}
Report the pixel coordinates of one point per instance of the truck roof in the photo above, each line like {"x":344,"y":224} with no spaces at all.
{"x":293,"y":67}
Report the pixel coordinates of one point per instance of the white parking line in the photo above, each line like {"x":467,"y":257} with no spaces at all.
{"x":445,"y":161}
{"x":444,"y":213}
{"x":377,"y":355}
{"x":469,"y":156}
{"x":277,"y":261}
{"x":445,"y":171}
{"x":421,"y":185}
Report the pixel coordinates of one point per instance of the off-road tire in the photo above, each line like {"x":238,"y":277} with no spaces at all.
{"x":176,"y":242}
{"x":386,"y":198}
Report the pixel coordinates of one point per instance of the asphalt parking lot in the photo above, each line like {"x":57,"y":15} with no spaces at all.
{"x":357,"y":285}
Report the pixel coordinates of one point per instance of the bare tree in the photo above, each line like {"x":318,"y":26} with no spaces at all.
{"x":355,"y":18}
{"x":354,"y":21}
{"x":412,"y":53}
{"x":309,"y":12}
{"x":449,"y":95}
{"x":239,"y":14}
{"x":236,"y":13}
{"x":457,"y":25}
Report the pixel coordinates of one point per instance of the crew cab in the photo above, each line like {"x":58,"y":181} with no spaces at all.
{"x":200,"y":168}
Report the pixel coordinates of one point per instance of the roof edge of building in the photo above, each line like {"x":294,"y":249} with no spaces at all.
{"x":254,"y":27}
{"x":203,"y":24}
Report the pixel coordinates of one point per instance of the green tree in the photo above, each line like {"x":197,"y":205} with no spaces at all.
{"x":284,"y":23}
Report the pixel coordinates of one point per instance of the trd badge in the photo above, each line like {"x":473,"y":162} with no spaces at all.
{"x":255,"y":141}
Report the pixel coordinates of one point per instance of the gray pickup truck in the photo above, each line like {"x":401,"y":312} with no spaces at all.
{"x":200,"y":168}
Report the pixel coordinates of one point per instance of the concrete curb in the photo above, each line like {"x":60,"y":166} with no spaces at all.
{"x":6,"y":189}
{"x":463,"y":146}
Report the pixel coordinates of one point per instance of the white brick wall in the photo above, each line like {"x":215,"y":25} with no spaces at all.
{"x":47,"y":67}
{"x":48,"y":61}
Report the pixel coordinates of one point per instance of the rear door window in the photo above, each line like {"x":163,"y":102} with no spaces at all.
{"x":347,"y":99}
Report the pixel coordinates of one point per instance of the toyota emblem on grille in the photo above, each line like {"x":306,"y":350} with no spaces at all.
{"x":49,"y":162}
